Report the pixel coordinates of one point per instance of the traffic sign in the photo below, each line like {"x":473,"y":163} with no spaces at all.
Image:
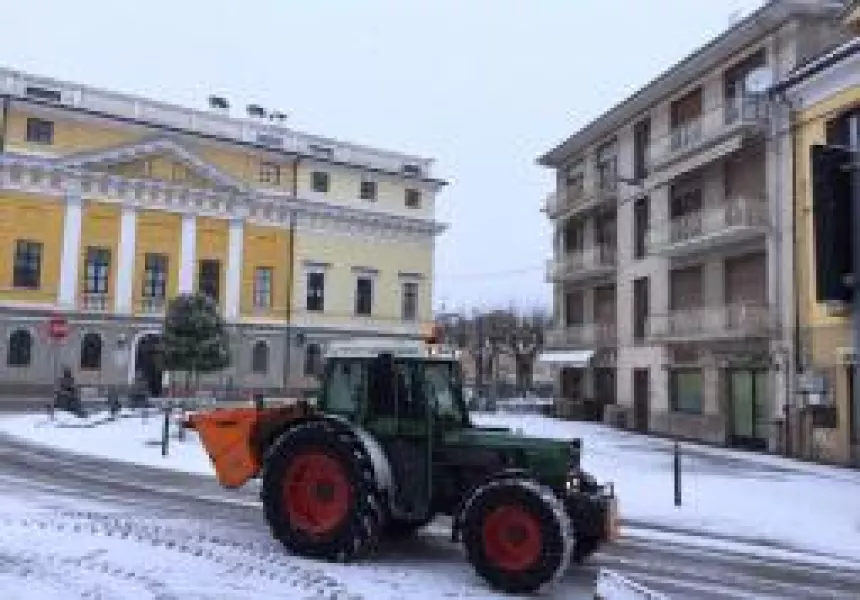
{"x":58,"y":328}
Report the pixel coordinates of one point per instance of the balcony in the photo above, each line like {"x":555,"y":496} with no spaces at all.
{"x":713,"y":227}
{"x":152,"y":305}
{"x":94,"y":302}
{"x":597,"y":261}
{"x":562,"y":202}
{"x":590,"y":335}
{"x":731,"y":321}
{"x":719,"y":131}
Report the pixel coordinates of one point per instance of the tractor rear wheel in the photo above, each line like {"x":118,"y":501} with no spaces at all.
{"x":517,"y":535}
{"x":320,"y":494}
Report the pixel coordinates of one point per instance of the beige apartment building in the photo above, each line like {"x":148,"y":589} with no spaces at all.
{"x":672,"y":267}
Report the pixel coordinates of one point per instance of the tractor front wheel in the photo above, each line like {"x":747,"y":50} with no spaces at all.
{"x":517,"y":535}
{"x":319,"y":493}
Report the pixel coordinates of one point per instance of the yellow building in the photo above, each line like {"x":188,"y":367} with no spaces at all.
{"x":825,"y":99}
{"x":111,"y":204}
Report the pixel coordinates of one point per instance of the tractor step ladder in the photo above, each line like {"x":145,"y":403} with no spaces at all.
{"x":613,"y":586}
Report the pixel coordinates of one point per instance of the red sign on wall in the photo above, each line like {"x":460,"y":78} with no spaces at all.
{"x":58,"y":328}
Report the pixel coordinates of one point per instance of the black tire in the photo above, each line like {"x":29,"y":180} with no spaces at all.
{"x":355,"y":532}
{"x":546,"y":542}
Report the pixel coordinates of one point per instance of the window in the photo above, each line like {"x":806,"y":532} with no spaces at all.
{"x":316,"y":291}
{"x":209,"y":278}
{"x":641,"y":140}
{"x":319,"y":181}
{"x":368,"y":190}
{"x":640,"y":227}
{"x":27,"y":272}
{"x":97,"y":270}
{"x":313,"y":360}
{"x":686,"y":120}
{"x":260,"y":358}
{"x":738,"y":102}
{"x":270,"y":173}
{"x":155,"y":276}
{"x":574,"y":309}
{"x":640,"y":308}
{"x":685,"y":390}
{"x":40,"y":131}
{"x":574,"y":236}
{"x":263,"y":287}
{"x":91,"y":351}
{"x":363,"y":295}
{"x":20,"y":349}
{"x":607,"y":167}
{"x":410,"y":300}
{"x":413,"y":199}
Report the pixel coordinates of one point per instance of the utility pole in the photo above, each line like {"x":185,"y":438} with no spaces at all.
{"x":854,"y":139}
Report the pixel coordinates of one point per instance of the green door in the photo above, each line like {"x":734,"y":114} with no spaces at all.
{"x":748,"y":408}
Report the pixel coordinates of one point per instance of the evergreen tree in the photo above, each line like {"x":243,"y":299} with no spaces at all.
{"x":195,"y":336}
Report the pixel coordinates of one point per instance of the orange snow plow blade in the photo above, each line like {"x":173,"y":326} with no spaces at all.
{"x":236,"y":438}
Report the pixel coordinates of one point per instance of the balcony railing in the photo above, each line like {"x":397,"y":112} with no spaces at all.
{"x":595,"y":260}
{"x":709,"y":127}
{"x":729,"y":321}
{"x":152,"y":305}
{"x":584,"y":335}
{"x":735,"y":220}
{"x":94,"y":302}
{"x":559,"y":202}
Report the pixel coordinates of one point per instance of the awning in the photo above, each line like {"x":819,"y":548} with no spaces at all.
{"x":575,"y":358}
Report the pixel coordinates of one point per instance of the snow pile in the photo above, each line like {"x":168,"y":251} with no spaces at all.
{"x":612,"y":586}
{"x":740,"y":495}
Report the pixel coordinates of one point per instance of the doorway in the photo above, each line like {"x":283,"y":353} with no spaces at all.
{"x":748,"y":408}
{"x":641,"y":399}
{"x":149,"y":363}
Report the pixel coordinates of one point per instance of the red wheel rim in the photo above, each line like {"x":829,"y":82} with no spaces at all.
{"x":317,"y":493}
{"x":512,"y":538}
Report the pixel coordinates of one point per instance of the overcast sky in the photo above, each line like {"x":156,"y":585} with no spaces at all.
{"x":483,"y":86}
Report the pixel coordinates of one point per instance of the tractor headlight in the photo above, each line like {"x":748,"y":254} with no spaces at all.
{"x":573,"y":483}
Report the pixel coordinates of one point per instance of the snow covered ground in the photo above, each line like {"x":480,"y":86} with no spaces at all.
{"x":726,"y":493}
{"x":741,"y":497}
{"x":130,"y":438}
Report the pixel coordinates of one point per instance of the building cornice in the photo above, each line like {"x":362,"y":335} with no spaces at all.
{"x":814,"y":75}
{"x":50,"y":178}
{"x":702,"y":61}
{"x":249,"y":133}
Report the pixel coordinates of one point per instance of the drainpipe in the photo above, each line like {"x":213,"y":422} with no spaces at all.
{"x":5,"y":125}
{"x":291,"y":247}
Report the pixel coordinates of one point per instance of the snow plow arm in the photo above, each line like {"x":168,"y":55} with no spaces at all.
{"x":236,"y":438}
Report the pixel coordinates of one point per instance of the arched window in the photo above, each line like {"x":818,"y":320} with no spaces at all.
{"x":91,"y":351}
{"x":20,"y":349}
{"x":260,"y":358}
{"x":313,"y":360}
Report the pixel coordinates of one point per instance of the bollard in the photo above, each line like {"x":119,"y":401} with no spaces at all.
{"x":165,"y":433}
{"x":677,"y":464}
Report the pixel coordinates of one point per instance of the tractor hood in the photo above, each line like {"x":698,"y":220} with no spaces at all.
{"x":551,"y":460}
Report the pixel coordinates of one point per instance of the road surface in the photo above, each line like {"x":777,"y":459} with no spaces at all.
{"x":139,"y":524}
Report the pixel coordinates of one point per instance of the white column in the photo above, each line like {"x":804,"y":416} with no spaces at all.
{"x":234,"y":269}
{"x":188,"y":252}
{"x":71,"y":254}
{"x":125,"y":260}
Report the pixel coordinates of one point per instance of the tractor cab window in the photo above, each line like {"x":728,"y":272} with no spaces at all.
{"x":345,"y":388}
{"x":443,"y":387}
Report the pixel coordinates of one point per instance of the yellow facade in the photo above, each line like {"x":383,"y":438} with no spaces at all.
{"x":100,"y":228}
{"x":39,"y":220}
{"x":245,"y":166}
{"x":158,"y":233}
{"x":266,"y":247}
{"x":344,"y":254}
{"x":70,"y":135}
{"x":826,"y":332}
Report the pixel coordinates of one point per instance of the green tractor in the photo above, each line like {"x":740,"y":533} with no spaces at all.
{"x":388,"y":446}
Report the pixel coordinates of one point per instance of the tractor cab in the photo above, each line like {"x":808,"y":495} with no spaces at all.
{"x":399,"y":386}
